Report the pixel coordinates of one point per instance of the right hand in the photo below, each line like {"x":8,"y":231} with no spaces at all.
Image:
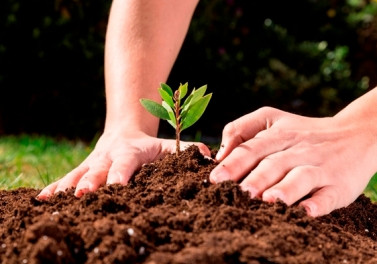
{"x":115,"y":158}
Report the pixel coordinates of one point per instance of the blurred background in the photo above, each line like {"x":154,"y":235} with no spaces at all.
{"x":310,"y":57}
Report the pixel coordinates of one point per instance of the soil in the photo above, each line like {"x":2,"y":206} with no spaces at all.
{"x":170,"y":213}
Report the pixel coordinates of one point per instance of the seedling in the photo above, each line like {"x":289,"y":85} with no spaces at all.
{"x":179,"y":115}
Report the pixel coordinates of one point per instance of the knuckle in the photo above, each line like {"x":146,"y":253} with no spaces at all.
{"x":332,"y":199}
{"x":268,"y":111}
{"x":268,"y":161}
{"x":230,"y":129}
{"x":262,"y":178}
{"x":309,"y":172}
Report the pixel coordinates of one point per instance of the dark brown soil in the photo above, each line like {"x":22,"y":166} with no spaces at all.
{"x":170,"y":213}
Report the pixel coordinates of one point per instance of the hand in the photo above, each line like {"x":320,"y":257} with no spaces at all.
{"x":326,"y":162}
{"x":114,"y":160}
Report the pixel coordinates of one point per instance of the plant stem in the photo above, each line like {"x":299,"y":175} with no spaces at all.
{"x":177,"y":122}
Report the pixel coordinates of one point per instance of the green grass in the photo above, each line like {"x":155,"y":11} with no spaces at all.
{"x":35,"y":161}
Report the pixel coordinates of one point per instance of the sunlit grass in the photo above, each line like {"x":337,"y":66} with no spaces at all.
{"x":35,"y":161}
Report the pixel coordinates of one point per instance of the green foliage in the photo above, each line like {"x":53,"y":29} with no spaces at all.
{"x":308,"y":57}
{"x":179,"y":115}
{"x":36,"y":161}
{"x":171,"y":109}
{"x":303,"y":56}
{"x":51,"y":60}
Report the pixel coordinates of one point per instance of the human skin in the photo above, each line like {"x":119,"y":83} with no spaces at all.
{"x":273,"y":154}
{"x":329,"y":161}
{"x":142,"y":42}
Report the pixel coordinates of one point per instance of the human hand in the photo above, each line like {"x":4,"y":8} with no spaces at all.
{"x":324,"y":162}
{"x":114,"y":159}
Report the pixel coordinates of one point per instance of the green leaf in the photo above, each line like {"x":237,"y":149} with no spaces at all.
{"x":167,"y":89}
{"x":170,"y":111}
{"x":186,"y":103}
{"x":166,"y":97}
{"x":197,"y":94}
{"x":195,"y":111}
{"x":189,"y":112}
{"x":192,"y":99}
{"x":172,"y":124}
{"x":182,"y":90}
{"x":155,"y":108}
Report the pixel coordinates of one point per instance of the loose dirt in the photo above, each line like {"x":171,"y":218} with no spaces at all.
{"x":170,"y":213}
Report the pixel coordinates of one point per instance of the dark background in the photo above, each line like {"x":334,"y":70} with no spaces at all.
{"x":310,"y":57}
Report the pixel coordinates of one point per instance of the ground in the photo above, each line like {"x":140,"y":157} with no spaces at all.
{"x":171,"y":213}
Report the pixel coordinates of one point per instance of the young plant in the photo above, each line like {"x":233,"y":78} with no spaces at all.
{"x":179,"y":115}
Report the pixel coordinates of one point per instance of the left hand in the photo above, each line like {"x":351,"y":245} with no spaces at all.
{"x":324,"y":162}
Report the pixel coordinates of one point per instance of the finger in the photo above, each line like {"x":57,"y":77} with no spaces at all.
{"x":325,"y":200}
{"x":122,"y":169}
{"x":270,"y":171}
{"x":70,"y":179}
{"x":246,"y":156}
{"x":245,"y":128}
{"x":48,"y":191}
{"x":93,"y":178}
{"x":298,"y":183}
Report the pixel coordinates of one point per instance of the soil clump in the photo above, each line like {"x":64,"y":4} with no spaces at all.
{"x":170,"y":213}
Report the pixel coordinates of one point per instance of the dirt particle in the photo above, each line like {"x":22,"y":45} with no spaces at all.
{"x":141,"y":250}
{"x":130,"y":232}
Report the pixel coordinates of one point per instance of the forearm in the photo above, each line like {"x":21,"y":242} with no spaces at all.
{"x":361,"y":112}
{"x":360,"y":118}
{"x":143,"y":40}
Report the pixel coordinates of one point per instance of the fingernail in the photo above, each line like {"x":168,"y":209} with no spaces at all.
{"x":220,"y":152}
{"x":207,"y":157}
{"x":114,"y":179}
{"x":310,"y":208}
{"x":44,"y":194}
{"x":272,"y":195}
{"x":82,"y":189}
{"x":219,"y":175}
{"x":81,"y":192}
{"x":248,"y":188}
{"x":123,"y":179}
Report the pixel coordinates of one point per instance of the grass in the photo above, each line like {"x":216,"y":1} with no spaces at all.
{"x":36,"y":161}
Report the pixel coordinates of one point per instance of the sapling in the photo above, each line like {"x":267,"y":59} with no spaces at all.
{"x":179,"y":115}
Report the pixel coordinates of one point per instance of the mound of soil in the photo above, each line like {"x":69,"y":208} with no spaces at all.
{"x":170,"y":213}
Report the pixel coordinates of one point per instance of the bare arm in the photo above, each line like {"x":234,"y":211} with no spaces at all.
{"x":142,"y":43}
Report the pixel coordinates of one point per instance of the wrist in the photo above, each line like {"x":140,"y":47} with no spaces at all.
{"x":361,"y":112}
{"x":132,"y":124}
